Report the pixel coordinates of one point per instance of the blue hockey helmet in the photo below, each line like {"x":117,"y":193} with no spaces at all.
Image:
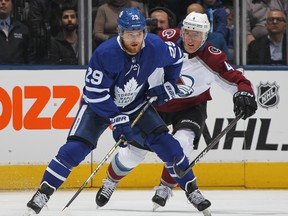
{"x":131,"y":19}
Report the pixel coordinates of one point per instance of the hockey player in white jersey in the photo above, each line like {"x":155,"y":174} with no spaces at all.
{"x":116,"y":88}
{"x":204,"y":65}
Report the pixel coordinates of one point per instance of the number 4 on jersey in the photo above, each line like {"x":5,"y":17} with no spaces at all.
{"x":228,"y":66}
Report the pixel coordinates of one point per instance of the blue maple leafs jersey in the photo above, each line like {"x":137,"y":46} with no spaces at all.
{"x":117,"y":82}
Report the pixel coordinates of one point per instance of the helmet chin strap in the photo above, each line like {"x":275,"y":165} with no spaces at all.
{"x":204,"y":37}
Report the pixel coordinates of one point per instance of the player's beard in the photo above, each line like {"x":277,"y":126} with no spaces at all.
{"x":132,"y":50}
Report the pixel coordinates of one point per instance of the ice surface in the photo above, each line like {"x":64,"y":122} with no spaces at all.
{"x":138,"y":203}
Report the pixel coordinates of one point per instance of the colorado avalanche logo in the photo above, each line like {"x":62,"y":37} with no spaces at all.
{"x":214,"y":50}
{"x":185,"y":85}
{"x":268,"y":95}
{"x":168,"y":33}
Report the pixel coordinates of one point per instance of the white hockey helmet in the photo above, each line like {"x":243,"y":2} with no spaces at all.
{"x":197,"y":22}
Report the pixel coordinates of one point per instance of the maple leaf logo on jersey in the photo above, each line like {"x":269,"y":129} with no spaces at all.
{"x":125,"y":96}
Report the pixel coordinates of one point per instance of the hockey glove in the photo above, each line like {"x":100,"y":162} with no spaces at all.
{"x":122,"y":129}
{"x":244,"y":101}
{"x":163,"y":92}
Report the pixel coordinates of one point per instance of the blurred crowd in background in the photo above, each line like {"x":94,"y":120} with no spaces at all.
{"x":50,"y":27}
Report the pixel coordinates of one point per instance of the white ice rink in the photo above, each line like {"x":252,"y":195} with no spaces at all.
{"x":138,"y":203}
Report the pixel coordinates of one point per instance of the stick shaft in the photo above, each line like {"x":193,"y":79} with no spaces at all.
{"x":181,"y":173}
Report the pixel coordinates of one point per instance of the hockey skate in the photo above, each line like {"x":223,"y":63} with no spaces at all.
{"x":105,"y":192}
{"x":40,"y":198}
{"x":162,"y":194}
{"x":197,"y":199}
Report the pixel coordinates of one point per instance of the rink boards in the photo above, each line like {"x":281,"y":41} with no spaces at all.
{"x":37,"y":108}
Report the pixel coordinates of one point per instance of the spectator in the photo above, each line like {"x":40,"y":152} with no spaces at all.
{"x":14,"y":38}
{"x":64,"y":47}
{"x":270,"y":49}
{"x":217,"y":16}
{"x":257,"y":11}
{"x":43,"y":23}
{"x":177,"y":7}
{"x":215,"y":38}
{"x":165,"y":19}
{"x":95,"y":5}
{"x":105,"y":24}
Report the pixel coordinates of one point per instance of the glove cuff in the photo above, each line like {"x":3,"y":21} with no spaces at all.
{"x":243,"y":93}
{"x":170,"y":90}
{"x":119,"y":119}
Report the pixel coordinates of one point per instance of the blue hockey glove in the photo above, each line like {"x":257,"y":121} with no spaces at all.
{"x":244,"y":101}
{"x":163,"y":92}
{"x":122,"y":129}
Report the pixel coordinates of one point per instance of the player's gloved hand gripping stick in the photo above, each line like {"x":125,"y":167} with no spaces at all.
{"x":151,"y":100}
{"x":245,"y":106}
{"x":122,"y":129}
{"x":164,"y":92}
{"x":244,"y":101}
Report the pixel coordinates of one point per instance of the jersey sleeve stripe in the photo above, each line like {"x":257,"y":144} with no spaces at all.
{"x":91,"y":89}
{"x":98,"y":100}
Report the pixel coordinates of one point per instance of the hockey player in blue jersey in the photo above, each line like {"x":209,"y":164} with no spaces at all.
{"x":122,"y":164}
{"x":116,"y":88}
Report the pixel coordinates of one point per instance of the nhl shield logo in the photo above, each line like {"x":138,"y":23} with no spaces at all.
{"x":268,"y":95}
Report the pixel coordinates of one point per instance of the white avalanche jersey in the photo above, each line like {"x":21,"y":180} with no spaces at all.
{"x":199,"y":71}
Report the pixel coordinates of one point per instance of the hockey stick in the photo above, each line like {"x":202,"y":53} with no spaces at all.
{"x":151,"y":100}
{"x":181,"y":173}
